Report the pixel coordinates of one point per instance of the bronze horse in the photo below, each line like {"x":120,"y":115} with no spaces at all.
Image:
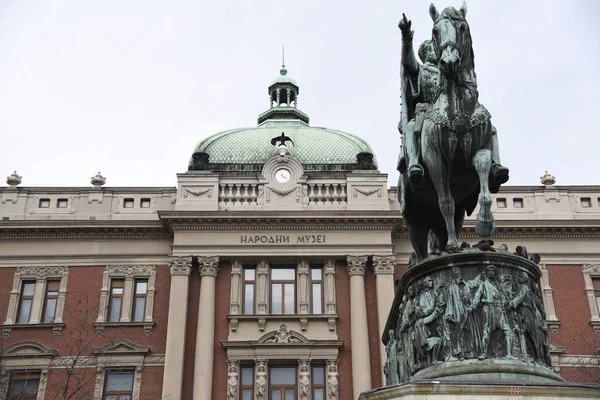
{"x":457,"y":141}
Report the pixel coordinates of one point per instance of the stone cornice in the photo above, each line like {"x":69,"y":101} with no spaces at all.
{"x":552,"y":229}
{"x":284,"y":220}
{"x":82,"y":230}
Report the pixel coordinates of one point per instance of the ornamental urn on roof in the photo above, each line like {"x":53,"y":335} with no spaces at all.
{"x":547,"y":179}
{"x":13,"y":180}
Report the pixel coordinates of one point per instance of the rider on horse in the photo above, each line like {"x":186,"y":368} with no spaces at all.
{"x":421,"y":88}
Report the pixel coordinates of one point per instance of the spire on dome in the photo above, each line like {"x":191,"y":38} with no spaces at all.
{"x":283,"y":97}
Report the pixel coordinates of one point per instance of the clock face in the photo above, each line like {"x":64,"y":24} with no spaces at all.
{"x":282,"y":175}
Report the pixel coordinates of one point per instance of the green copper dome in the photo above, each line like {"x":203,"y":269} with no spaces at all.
{"x":248,"y":149}
{"x":311,"y":145}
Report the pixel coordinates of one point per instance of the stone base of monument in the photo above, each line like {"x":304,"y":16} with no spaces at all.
{"x":470,"y":324}
{"x":472,"y":390}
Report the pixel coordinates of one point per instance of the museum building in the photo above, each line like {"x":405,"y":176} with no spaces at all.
{"x":268,"y":273}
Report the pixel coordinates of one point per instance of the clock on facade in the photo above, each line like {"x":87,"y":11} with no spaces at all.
{"x":283,"y":175}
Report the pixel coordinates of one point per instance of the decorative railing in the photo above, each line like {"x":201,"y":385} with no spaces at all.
{"x":239,"y":194}
{"x":325,"y":193}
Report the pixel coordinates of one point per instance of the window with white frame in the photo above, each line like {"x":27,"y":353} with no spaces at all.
{"x":283,"y":289}
{"x":127,"y":296}
{"x":37,"y":297}
{"x":119,"y":370}
{"x":591,"y":278}
{"x":269,"y":289}
{"x":25,"y":368}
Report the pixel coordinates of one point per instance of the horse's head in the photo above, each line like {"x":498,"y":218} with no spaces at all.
{"x":451,"y":39}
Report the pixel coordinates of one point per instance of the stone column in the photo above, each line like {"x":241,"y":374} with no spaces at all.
{"x":359,"y":336}
{"x":178,"y":299}
{"x":384,"y":267}
{"x":205,"y":334}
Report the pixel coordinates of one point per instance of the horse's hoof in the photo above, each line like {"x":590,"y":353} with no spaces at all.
{"x":415,"y":176}
{"x":452,"y":248}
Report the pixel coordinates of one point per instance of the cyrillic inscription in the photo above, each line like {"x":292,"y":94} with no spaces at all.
{"x":281,"y":239}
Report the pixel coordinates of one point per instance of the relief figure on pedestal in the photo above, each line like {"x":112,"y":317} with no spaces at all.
{"x":463,"y":329}
{"x":494,"y":301}
{"x":529,"y":321}
{"x":407,"y":335}
{"x":391,"y":365}
{"x":427,"y":311}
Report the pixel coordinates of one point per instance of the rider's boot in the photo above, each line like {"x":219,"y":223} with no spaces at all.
{"x":498,"y":176}
{"x":416,"y":176}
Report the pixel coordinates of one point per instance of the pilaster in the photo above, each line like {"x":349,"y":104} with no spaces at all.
{"x":205,"y":337}
{"x":332,"y":386}
{"x":329,"y":286}
{"x":361,"y":368}
{"x":384,"y":267}
{"x":173,"y":371}
{"x":260,"y":381}
{"x":303,"y":287}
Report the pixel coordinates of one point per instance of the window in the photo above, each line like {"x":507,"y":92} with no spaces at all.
{"x":247,"y":383}
{"x":586,"y":202}
{"x":501,"y":203}
{"x":50,"y":300}
{"x":24,"y":386}
{"x":118,"y":386}
{"x":145,"y":203}
{"x":518,"y":203}
{"x":62,"y":203}
{"x":128,"y":203}
{"x":139,"y":303}
{"x":44,"y":203}
{"x":116,"y":296}
{"x":127,"y":296}
{"x":318,"y":382}
{"x":26,"y":302}
{"x":37,"y":297}
{"x":316,"y":284}
{"x":249,"y":286}
{"x":283,"y":290}
{"x":283,"y":383}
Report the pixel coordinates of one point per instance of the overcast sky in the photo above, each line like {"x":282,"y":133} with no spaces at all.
{"x":129,"y":87}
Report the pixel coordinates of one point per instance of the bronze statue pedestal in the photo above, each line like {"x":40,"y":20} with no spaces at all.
{"x":462,"y":390}
{"x":469,"y":316}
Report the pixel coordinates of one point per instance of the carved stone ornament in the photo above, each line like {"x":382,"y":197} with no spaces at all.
{"x":130,"y":270}
{"x":591,"y":268}
{"x":209,"y":266}
{"x":98,"y":180}
{"x":332,"y":380}
{"x":13,"y":180}
{"x":42,"y":272}
{"x":547,"y":179}
{"x":282,"y":336}
{"x":384,"y":264}
{"x":304,"y":379}
{"x":180,"y":265}
{"x":356,"y":265}
{"x":366,"y":192}
{"x":261,"y":379}
{"x":233,"y":374}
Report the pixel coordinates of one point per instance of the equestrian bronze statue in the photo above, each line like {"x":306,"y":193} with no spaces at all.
{"x":449,"y":160}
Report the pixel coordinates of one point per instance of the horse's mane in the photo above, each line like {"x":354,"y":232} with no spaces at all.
{"x":454,"y":14}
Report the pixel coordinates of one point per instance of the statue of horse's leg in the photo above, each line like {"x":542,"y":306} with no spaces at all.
{"x":440,"y":177}
{"x":418,"y":229}
{"x":482,"y":161}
